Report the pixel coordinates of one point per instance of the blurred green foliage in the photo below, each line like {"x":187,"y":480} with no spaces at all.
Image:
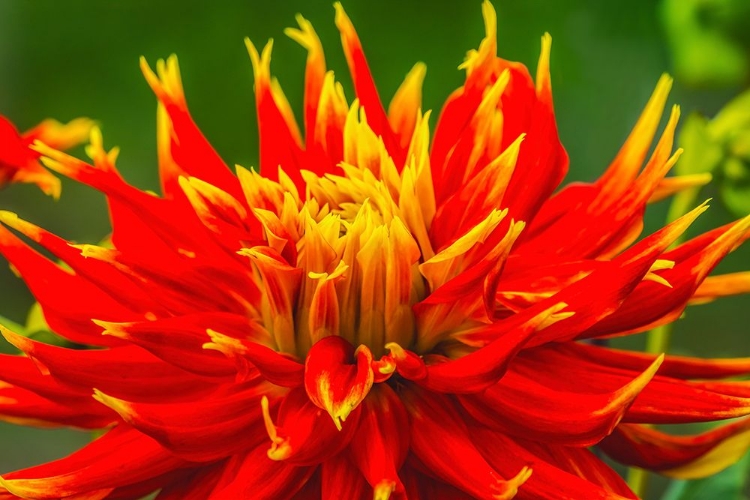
{"x":731,"y":484}
{"x":721,"y":147}
{"x":710,"y":40}
{"x":80,"y":57}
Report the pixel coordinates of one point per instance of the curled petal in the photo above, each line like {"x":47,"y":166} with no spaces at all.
{"x":338,"y":377}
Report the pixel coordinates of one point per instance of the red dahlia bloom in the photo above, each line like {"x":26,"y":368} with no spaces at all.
{"x":374,"y":315}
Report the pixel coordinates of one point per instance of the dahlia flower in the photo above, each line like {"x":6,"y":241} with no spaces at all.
{"x":376,"y":314}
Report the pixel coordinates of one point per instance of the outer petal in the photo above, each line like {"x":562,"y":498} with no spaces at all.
{"x":18,"y":163}
{"x":523,"y":407}
{"x":551,"y":480}
{"x":663,"y":400}
{"x":93,"y":470}
{"x":686,"y":457}
{"x":191,"y":152}
{"x":127,"y":372}
{"x":202,"y":430}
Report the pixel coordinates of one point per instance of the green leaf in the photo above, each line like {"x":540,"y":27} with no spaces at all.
{"x":729,"y":484}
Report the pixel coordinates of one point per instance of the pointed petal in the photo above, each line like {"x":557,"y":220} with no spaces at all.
{"x":188,"y":147}
{"x":684,"y":457}
{"x":525,"y":408}
{"x":94,"y":469}
{"x":364,"y":84}
{"x":434,"y":418}
{"x":551,"y":480}
{"x":315,"y":72}
{"x":204,"y":430}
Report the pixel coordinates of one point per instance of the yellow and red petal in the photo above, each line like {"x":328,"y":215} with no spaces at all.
{"x":18,"y":163}
{"x":338,"y":377}
{"x":558,"y":471}
{"x":189,"y":150}
{"x":204,"y":429}
{"x":686,"y":457}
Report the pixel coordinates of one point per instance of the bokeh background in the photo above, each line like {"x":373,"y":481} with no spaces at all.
{"x":80,"y":58}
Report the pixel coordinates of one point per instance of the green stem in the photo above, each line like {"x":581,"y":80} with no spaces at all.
{"x":638,"y":480}
{"x":657,"y":341}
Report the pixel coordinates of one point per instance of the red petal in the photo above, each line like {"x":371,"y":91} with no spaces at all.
{"x":663,"y":400}
{"x":254,"y":475}
{"x":364,"y":86}
{"x":380,"y":443}
{"x":648,"y":448}
{"x":304,"y":435}
{"x":23,"y":407}
{"x":158,"y":337}
{"x":525,"y":408}
{"x":66,"y":313}
{"x":127,"y":372}
{"x":94,"y":468}
{"x":193,"y":484}
{"x":275,"y":367}
{"x":434,"y":419}
{"x":338,"y":378}
{"x":204,"y":430}
{"x":188,"y":146}
{"x":682,"y":367}
{"x":280,"y":143}
{"x":551,"y":480}
{"x":341,"y":479}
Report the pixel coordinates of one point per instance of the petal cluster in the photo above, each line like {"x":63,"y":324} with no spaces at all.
{"x":19,"y":163}
{"x":379,"y":311}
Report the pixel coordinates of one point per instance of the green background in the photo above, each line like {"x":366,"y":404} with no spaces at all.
{"x":73,"y":58}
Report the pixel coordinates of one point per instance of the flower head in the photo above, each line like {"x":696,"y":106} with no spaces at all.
{"x":376,"y":314}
